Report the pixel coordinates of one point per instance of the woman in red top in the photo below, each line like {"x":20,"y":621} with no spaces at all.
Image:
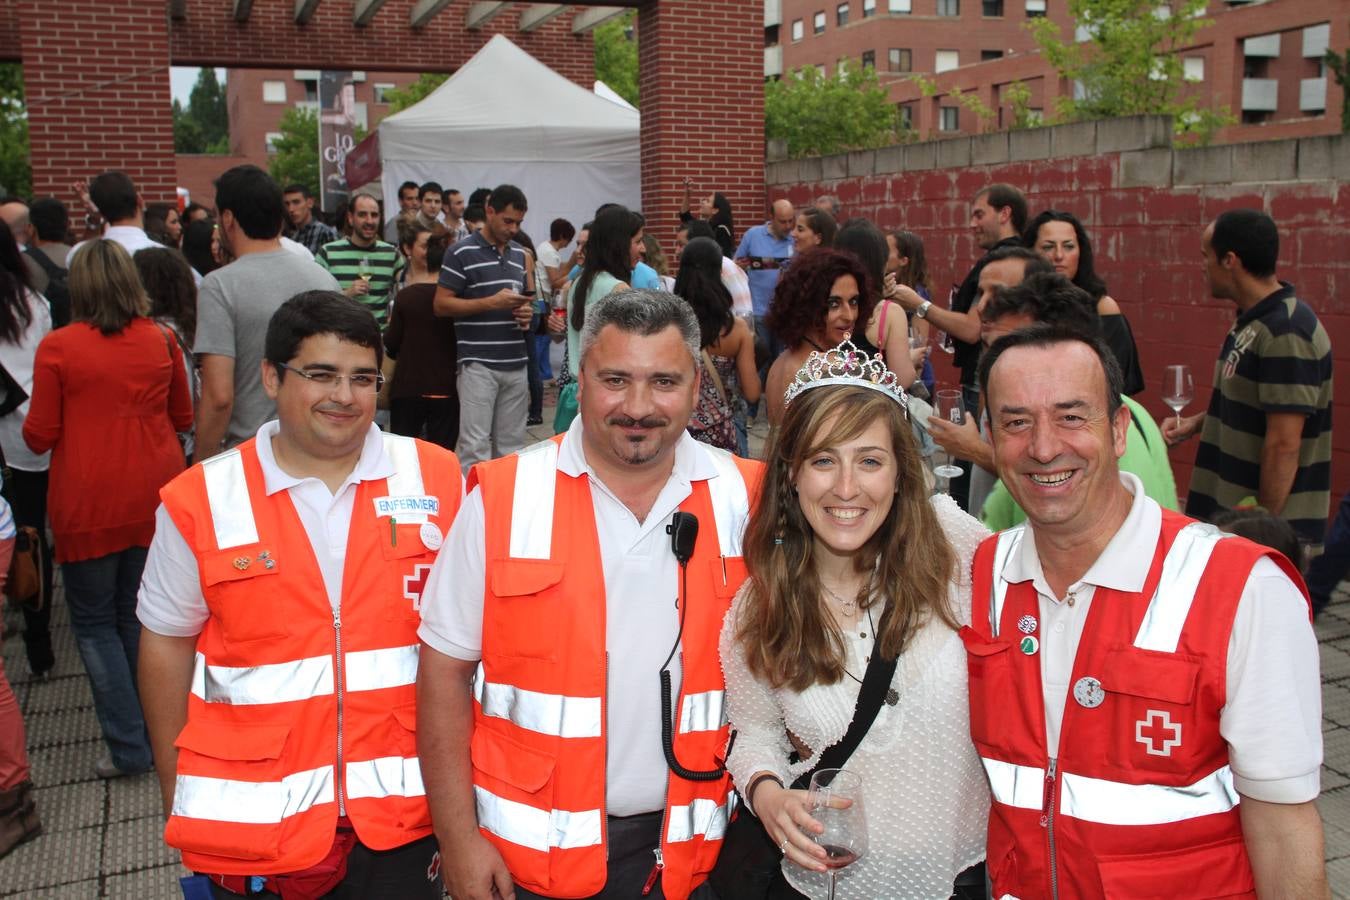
{"x":110,"y":392}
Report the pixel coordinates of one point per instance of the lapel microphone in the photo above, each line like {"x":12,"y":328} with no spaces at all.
{"x":683,"y":531}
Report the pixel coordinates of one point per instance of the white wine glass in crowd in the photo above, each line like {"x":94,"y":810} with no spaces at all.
{"x":949,"y":407}
{"x":835,"y":798}
{"x":1178,"y":388}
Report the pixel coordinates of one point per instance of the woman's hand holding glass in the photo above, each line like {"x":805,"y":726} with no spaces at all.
{"x":785,"y":815}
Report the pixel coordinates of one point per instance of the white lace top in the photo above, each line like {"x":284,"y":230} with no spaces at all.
{"x":926,"y":799}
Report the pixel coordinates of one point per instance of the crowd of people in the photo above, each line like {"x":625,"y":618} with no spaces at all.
{"x":376,"y":643}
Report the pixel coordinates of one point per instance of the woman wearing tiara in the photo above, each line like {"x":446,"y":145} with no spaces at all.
{"x":850,"y":558}
{"x":819,"y":301}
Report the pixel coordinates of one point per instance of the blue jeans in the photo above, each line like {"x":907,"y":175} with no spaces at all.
{"x":101,"y":595}
{"x":1329,"y":569}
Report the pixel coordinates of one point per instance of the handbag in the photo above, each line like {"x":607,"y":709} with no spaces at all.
{"x":750,"y":861}
{"x":23,"y":581}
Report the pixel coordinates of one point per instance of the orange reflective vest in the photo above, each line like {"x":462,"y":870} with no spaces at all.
{"x":296,"y":707}
{"x":539,"y":742}
{"x":1139,"y":792}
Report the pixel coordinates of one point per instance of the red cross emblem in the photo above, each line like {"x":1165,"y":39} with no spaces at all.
{"x":1158,"y":733}
{"x":414,"y":584}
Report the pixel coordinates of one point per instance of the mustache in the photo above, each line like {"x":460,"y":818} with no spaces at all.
{"x":630,"y":422}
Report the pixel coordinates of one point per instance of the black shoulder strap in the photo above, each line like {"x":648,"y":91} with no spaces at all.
{"x":876,"y":682}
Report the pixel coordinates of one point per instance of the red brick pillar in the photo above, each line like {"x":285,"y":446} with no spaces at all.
{"x":701,"y":76}
{"x":96,"y":82}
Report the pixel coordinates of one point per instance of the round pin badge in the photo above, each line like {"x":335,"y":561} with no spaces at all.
{"x":431,"y":536}
{"x":1030,"y":645}
{"x":1088,"y":693}
{"x":1027,"y":624}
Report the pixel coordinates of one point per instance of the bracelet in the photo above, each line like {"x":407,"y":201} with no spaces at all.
{"x":755,"y":782}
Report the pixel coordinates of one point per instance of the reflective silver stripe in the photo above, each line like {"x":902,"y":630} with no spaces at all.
{"x":1004,"y":548}
{"x":702,"y":817}
{"x":537,"y":829}
{"x":1014,"y":785}
{"x":300,"y":679}
{"x":252,"y":802}
{"x":371,"y":670}
{"x":388,"y":776}
{"x":703,"y":712}
{"x":1171,"y":604}
{"x":532,"y":505}
{"x":407,"y":478}
{"x":730,"y":500}
{"x":227,"y":495}
{"x":1114,"y":803}
{"x":553,"y":714}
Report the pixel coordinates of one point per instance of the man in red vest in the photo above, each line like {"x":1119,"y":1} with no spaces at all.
{"x":559,"y":760}
{"x":1144,"y":689}
{"x":279,"y":652}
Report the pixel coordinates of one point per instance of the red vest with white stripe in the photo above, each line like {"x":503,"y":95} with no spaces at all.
{"x":296,"y":707}
{"x":539,"y":740}
{"x":1139,"y":793}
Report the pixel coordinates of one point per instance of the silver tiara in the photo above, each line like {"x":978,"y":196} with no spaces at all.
{"x":846,"y":364}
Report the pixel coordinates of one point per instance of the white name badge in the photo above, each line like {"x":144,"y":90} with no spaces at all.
{"x":408,"y":506}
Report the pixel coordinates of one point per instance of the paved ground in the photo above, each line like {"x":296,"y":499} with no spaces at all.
{"x":104,"y":838}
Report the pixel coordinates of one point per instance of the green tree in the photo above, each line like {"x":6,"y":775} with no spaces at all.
{"x":296,"y":160}
{"x":1128,"y":66}
{"x":402,"y":98}
{"x":203,"y":126}
{"x":16,"y":172}
{"x":616,"y":55}
{"x":819,"y":115}
{"x":1339,"y":64}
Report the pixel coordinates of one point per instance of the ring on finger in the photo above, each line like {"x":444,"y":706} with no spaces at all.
{"x":783,"y":846}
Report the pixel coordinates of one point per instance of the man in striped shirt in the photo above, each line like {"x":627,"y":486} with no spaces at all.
{"x":480,"y":286}
{"x":1267,"y":433}
{"x":366,"y":267}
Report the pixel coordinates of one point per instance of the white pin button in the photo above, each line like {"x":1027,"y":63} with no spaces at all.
{"x":431,"y":536}
{"x":1088,"y":693}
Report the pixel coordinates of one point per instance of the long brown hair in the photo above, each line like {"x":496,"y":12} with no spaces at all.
{"x":790,"y":638}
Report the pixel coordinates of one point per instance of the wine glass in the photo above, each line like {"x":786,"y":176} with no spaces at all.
{"x":950,"y":409}
{"x":363,"y":268}
{"x":1178,"y":388}
{"x":835,"y":799}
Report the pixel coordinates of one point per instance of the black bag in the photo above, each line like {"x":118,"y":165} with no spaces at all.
{"x":748,"y":865}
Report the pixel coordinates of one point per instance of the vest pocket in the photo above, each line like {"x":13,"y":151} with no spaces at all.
{"x":514,"y":788}
{"x":1150,"y":702}
{"x":988,"y":665}
{"x":1212,"y":870}
{"x":233,"y":795}
{"x":243,"y":598}
{"x":525,"y":606}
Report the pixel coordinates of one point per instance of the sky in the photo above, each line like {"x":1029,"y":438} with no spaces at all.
{"x":182,"y":79}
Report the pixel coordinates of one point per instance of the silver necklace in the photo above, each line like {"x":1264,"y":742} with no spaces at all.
{"x":849,"y":607}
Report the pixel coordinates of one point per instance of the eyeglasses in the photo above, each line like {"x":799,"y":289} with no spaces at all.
{"x":360,"y":381}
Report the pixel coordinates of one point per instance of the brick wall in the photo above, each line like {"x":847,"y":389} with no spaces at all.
{"x":1145,"y":205}
{"x":701,"y":78}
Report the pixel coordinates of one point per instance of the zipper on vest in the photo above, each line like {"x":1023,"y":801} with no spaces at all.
{"x":604,"y":762}
{"x":1048,"y":823}
{"x":339,"y":687}
{"x":656,"y":873}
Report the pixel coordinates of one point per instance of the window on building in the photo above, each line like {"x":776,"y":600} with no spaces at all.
{"x":901,"y":59}
{"x":274,"y":92}
{"x":901,"y":7}
{"x":798,"y":30}
{"x":869,"y":59}
{"x":1035,"y":116}
{"x":986,"y":55}
{"x":311,"y":90}
{"x":945,"y":60}
{"x":820,"y":67}
{"x":270,"y":142}
{"x":1193,"y":68}
{"x":819,"y":22}
{"x":1035,"y":9}
{"x":905,"y":115}
{"x":381,"y":90}
{"x":992,"y":8}
{"x":949,"y":7}
{"x":949,"y":118}
{"x":869,"y":8}
{"x":841,"y":15}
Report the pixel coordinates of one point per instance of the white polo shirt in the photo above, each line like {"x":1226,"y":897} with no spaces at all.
{"x":641,"y":585}
{"x":170,"y":600}
{"x":1273,"y":719}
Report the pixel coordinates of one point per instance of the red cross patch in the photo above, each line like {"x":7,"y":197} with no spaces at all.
{"x":414,"y":584}
{"x":1158,"y":733}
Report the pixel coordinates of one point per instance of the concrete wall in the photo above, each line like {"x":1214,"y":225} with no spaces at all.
{"x":1145,"y":205}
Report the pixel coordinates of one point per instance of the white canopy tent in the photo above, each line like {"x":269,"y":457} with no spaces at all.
{"x":505,"y":117}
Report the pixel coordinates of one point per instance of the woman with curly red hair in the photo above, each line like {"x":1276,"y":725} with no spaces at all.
{"x":820,"y":299}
